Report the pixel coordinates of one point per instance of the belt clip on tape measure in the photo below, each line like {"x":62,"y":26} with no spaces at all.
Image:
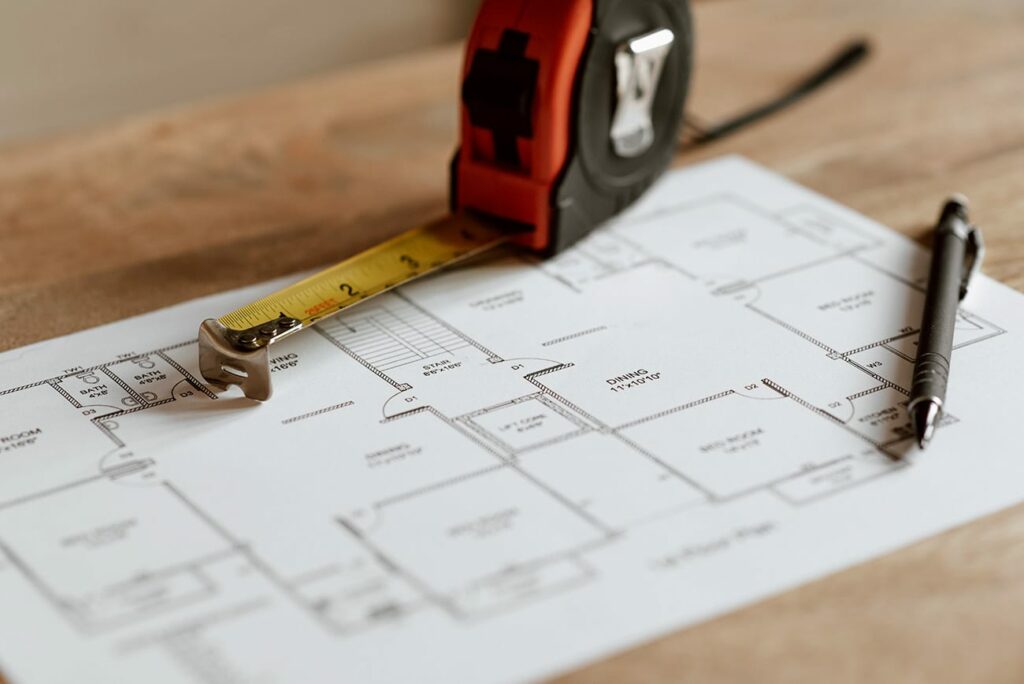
{"x":570,"y":110}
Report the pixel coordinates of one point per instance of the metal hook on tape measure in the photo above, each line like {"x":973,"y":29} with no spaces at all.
{"x":223,"y":364}
{"x":241,"y":357}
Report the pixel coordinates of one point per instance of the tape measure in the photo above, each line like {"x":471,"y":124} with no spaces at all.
{"x":570,"y":110}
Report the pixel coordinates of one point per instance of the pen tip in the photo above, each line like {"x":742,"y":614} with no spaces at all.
{"x":923,"y":417}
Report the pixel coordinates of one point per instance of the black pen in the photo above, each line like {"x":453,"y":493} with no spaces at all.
{"x":957,"y":251}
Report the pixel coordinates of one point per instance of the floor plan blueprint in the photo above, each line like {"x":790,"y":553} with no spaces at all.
{"x":504,"y":471}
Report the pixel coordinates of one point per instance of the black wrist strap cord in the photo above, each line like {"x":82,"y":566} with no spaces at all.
{"x":849,"y":57}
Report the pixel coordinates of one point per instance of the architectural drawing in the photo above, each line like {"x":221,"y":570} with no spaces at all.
{"x":515,"y":440}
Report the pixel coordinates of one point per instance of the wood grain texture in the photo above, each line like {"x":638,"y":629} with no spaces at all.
{"x":97,"y":226}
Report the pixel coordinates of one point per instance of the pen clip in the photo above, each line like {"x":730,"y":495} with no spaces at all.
{"x":972,"y":259}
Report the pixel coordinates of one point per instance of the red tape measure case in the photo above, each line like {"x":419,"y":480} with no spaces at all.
{"x":570,"y":110}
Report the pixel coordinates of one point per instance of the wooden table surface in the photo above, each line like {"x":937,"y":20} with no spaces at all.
{"x":99,"y":225}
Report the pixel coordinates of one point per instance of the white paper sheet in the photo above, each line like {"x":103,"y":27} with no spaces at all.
{"x":503,"y":472}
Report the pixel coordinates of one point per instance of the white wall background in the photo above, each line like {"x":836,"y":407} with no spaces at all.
{"x":65,"y":64}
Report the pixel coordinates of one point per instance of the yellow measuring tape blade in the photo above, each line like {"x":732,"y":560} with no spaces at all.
{"x":410,"y":255}
{"x":233,"y":348}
